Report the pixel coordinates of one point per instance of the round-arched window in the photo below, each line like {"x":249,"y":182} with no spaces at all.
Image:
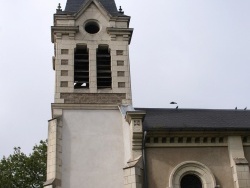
{"x":191,"y":174}
{"x":191,"y":181}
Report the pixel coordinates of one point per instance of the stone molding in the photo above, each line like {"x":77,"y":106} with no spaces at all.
{"x":125,"y":32}
{"x":63,"y":30}
{"x":180,"y":141}
{"x":93,"y":98}
{"x":192,"y":167}
{"x":57,"y":108}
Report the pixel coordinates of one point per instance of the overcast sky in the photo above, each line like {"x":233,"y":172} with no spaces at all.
{"x":194,"y":52}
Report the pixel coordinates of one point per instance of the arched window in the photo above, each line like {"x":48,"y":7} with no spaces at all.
{"x":191,"y":181}
{"x":191,"y":174}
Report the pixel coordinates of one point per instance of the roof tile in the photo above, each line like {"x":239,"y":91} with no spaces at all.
{"x":195,"y":119}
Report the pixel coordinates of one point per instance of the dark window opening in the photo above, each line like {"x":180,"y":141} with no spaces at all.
{"x":81,"y":67}
{"x":164,"y":140}
{"x":244,"y":139}
{"x":197,"y":140}
{"x":180,"y":140}
{"x":172,"y":140}
{"x":205,"y":140}
{"x":92,"y":27}
{"x":189,"y":139}
{"x":191,"y":181}
{"x":221,"y":140}
{"x":103,"y":62}
{"x":213,"y":140}
{"x":156,"y":140}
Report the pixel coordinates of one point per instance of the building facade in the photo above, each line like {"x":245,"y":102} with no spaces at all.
{"x":96,"y":138}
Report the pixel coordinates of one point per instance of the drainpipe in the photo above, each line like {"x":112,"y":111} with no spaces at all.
{"x":145,"y":180}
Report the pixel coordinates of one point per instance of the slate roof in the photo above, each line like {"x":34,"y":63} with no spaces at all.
{"x":73,"y":6}
{"x":195,"y":119}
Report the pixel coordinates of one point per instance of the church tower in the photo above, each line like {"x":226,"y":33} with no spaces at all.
{"x":89,"y":137}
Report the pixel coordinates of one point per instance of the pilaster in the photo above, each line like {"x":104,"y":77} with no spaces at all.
{"x":54,"y":162}
{"x":239,"y":164}
{"x":135,"y":119}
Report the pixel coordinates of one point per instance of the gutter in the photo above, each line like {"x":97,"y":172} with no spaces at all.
{"x":145,"y":180}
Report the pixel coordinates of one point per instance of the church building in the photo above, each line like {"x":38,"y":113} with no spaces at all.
{"x":98,"y":139}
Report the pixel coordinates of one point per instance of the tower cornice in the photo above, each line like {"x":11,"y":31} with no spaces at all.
{"x":63,"y":30}
{"x":125,"y":32}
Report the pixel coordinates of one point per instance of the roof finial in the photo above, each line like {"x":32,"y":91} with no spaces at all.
{"x":59,"y":8}
{"x":120,"y":10}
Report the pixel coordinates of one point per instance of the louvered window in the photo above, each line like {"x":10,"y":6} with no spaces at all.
{"x":81,"y":67}
{"x":103,"y":62}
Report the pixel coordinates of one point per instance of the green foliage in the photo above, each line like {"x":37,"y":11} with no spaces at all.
{"x":22,"y":171}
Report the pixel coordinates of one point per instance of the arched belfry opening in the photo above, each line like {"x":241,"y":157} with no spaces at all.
{"x":103,"y":63}
{"x":81,"y":67}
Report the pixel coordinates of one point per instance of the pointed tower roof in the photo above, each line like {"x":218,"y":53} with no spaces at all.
{"x":73,"y":6}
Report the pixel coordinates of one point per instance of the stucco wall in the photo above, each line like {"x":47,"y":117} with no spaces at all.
{"x":161,"y":162}
{"x":92,"y":149}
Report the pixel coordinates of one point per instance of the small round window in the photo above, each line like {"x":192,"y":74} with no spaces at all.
{"x":92,"y":27}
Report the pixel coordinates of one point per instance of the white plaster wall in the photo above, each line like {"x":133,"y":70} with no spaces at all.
{"x":92,"y":149}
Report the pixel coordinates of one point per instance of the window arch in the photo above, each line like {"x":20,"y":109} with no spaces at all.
{"x":192,"y":169}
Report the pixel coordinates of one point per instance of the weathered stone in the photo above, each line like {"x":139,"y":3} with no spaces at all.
{"x":93,"y":98}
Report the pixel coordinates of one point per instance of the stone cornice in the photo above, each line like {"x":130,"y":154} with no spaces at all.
{"x":84,"y":106}
{"x":194,"y":133}
{"x":125,"y":32}
{"x":121,"y":19}
{"x":63,"y":30}
{"x":135,"y":115}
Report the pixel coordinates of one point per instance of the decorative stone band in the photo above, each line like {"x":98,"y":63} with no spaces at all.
{"x":125,"y":32}
{"x":175,"y":141}
{"x":58,"y":30}
{"x":93,"y":98}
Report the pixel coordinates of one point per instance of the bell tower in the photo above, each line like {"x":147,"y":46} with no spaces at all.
{"x":88,"y":137}
{"x":91,"y":59}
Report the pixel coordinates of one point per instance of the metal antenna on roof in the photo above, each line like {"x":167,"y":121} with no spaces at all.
{"x":236,"y":108}
{"x":245,"y":108}
{"x":59,"y":8}
{"x":120,"y":10}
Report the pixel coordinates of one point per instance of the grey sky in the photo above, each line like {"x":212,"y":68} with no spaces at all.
{"x":194,"y":52}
